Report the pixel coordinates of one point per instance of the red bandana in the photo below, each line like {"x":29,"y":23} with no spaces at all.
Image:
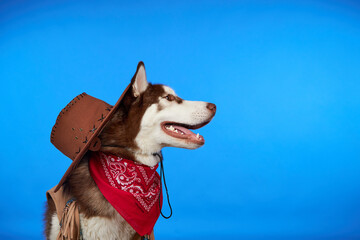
{"x":131,"y":188}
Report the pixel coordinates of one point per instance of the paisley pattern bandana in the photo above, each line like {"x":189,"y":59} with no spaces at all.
{"x":133,"y":189}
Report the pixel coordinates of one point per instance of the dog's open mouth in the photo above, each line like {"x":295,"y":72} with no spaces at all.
{"x":182,"y":131}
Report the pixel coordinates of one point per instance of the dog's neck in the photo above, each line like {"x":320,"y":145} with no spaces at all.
{"x":148,"y":159}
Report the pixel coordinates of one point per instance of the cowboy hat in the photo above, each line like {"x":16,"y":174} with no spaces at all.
{"x":79,"y":124}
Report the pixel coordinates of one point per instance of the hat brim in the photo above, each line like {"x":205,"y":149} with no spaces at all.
{"x":91,"y":141}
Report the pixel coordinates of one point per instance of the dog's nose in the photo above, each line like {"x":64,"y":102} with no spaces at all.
{"x":211,"y":107}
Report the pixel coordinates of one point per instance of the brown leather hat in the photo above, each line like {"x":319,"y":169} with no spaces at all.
{"x":78,"y":126}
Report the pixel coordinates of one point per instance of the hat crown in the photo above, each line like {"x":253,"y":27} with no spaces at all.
{"x":78,"y":125}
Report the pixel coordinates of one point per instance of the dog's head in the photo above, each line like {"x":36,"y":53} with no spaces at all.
{"x":151,"y":117}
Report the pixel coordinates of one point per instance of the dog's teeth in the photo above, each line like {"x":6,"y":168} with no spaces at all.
{"x":197,"y":135}
{"x":176,"y":131}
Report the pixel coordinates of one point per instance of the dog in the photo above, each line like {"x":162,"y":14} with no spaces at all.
{"x":149,"y":118}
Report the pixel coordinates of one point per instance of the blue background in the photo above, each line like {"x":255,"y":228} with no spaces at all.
{"x":281,"y":159}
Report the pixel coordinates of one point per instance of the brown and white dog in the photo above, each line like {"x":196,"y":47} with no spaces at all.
{"x":149,"y":118}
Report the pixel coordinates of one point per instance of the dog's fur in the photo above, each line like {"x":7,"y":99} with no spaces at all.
{"x":137,"y":131}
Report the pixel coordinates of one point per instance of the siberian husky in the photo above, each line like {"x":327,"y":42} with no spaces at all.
{"x":150,"y":117}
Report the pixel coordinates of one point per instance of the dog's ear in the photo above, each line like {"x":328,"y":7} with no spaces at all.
{"x":139,"y":82}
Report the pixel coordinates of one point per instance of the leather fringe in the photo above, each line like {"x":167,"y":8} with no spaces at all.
{"x":69,"y":230}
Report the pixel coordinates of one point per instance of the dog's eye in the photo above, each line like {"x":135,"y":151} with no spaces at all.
{"x":170,"y":97}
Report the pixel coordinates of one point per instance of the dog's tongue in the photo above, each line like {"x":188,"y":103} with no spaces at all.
{"x":189,"y":133}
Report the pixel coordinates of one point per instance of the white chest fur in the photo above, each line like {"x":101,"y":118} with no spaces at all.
{"x":97,"y":228}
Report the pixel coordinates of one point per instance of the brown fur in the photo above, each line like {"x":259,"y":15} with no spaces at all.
{"x":119,"y":133}
{"x":90,"y":200}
